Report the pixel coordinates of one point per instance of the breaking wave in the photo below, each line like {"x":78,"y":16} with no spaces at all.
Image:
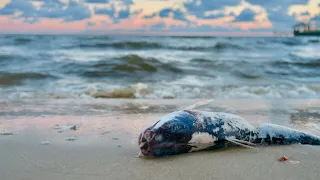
{"x":170,"y":67}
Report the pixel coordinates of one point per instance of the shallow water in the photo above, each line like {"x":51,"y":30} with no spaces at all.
{"x":34,"y":66}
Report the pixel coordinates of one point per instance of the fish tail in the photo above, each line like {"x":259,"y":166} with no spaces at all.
{"x":276,"y":134}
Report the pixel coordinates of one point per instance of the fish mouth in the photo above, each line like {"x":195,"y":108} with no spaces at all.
{"x":149,"y":145}
{"x":146,"y":141}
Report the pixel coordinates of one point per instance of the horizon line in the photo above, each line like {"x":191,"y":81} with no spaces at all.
{"x":229,"y":34}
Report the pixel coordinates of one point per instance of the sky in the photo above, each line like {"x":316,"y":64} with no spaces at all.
{"x":155,"y":16}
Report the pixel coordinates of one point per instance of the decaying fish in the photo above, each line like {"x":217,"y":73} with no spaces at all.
{"x":190,"y":130}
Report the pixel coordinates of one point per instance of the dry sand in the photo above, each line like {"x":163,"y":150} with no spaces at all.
{"x":106,"y":141}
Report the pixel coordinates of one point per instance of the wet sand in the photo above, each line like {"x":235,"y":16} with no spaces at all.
{"x":106,"y":141}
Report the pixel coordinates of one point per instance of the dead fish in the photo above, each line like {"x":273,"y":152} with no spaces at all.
{"x":190,"y":130}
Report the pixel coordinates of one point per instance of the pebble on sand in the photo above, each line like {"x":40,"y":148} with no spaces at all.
{"x":74,"y":127}
{"x":45,"y":143}
{"x":6,"y":133}
{"x":71,"y":138}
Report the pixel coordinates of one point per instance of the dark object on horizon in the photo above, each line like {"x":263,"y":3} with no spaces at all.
{"x":307,"y":30}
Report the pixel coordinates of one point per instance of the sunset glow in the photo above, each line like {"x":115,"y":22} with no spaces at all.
{"x":153,"y":16}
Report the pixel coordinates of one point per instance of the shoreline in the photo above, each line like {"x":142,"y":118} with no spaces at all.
{"x":105,"y":144}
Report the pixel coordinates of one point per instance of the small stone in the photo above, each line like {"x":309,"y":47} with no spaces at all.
{"x":119,"y":146}
{"x":106,"y":132}
{"x":74,"y":127}
{"x":115,"y":138}
{"x":5,"y":133}
{"x":45,"y":143}
{"x":71,"y":138}
{"x":60,"y":131}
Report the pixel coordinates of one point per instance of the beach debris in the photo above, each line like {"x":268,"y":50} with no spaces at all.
{"x":74,"y":127}
{"x":6,"y":133}
{"x":45,"y":143}
{"x":65,"y":127}
{"x":105,"y":132}
{"x":57,"y":126}
{"x":283,"y":158}
{"x":71,"y":138}
{"x":115,"y":138}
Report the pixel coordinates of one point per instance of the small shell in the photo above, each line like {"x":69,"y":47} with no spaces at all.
{"x":283,"y":158}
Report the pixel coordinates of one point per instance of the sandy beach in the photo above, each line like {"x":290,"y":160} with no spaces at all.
{"x":37,"y":142}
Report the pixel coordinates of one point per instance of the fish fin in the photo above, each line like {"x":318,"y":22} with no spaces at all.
{"x":193,"y":106}
{"x":139,"y":155}
{"x":240,"y":144}
{"x":244,"y":142}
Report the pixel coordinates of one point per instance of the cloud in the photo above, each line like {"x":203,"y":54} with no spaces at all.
{"x":285,"y":13}
{"x":97,"y":1}
{"x":246,"y":15}
{"x":123,"y":14}
{"x":299,"y":10}
{"x":213,"y":15}
{"x":150,"y":16}
{"x":91,"y":24}
{"x":305,"y":14}
{"x":54,"y":9}
{"x":176,"y":14}
{"x":76,"y":12}
{"x":198,"y":8}
{"x":158,"y":27}
{"x":116,"y":10}
{"x":105,"y":11}
{"x":274,"y":3}
{"x":164,"y":15}
{"x":15,"y":6}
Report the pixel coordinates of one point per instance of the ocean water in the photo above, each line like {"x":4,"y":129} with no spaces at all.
{"x":57,"y":66}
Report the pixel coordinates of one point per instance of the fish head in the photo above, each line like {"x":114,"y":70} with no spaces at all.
{"x":170,"y":135}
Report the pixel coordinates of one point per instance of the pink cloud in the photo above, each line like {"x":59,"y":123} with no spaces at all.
{"x":252,"y":25}
{"x":53,"y":25}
